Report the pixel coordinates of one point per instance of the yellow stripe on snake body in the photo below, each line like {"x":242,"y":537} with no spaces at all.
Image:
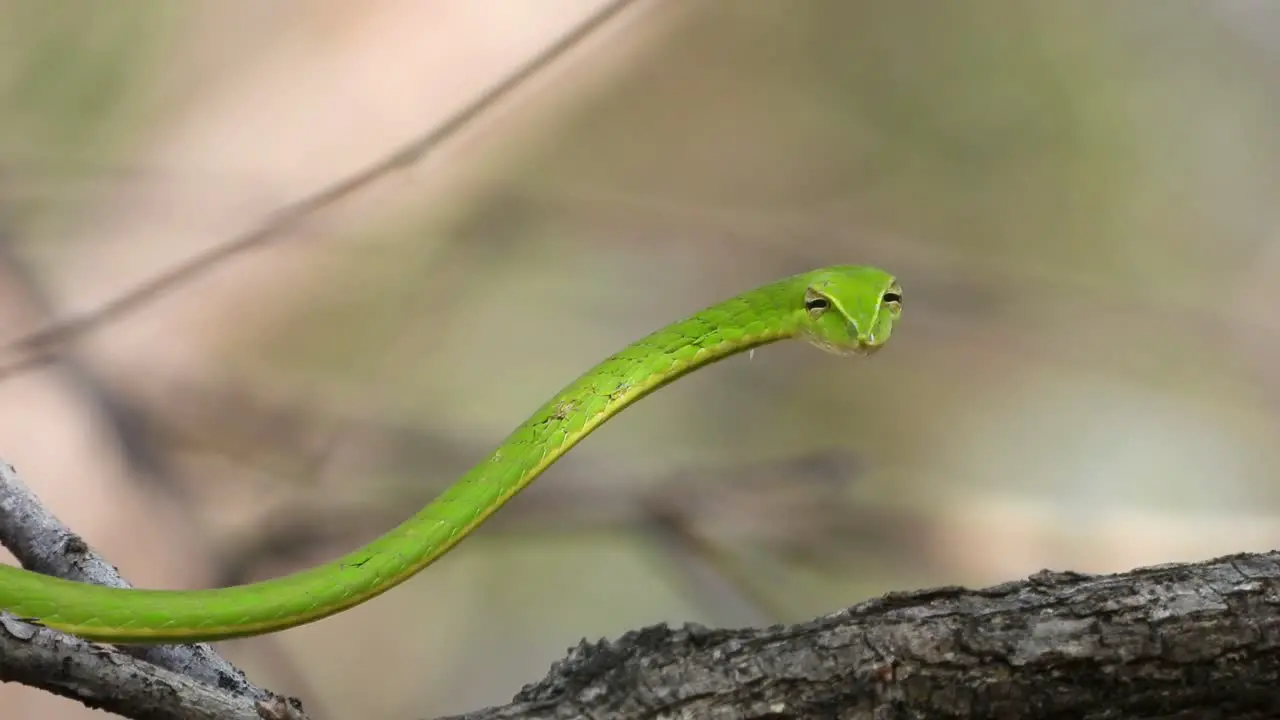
{"x":846,"y":309}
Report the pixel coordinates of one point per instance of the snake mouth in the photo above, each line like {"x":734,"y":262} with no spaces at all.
{"x":863,"y":348}
{"x":858,"y":348}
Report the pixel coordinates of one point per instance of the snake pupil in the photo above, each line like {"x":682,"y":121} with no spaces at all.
{"x":818,"y":303}
{"x":893,"y":297}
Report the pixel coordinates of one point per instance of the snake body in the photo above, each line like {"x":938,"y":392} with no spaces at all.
{"x":844,"y":309}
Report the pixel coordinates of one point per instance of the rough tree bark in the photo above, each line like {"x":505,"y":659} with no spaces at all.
{"x":1175,"y":641}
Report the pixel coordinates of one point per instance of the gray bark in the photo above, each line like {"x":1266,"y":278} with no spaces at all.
{"x":105,"y":678}
{"x":1175,"y":641}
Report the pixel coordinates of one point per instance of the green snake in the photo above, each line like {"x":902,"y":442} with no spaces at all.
{"x":844,"y":309}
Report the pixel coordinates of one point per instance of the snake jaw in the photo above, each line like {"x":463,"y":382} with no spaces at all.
{"x":860,"y":347}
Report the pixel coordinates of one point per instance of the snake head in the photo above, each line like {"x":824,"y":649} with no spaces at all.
{"x":850,"y":309}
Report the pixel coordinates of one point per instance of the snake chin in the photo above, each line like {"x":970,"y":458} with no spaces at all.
{"x":860,"y":350}
{"x":844,"y":349}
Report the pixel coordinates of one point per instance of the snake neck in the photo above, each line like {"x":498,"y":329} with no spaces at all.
{"x":763,"y":316}
{"x":766,"y":315}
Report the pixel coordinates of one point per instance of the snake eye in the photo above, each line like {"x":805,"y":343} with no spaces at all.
{"x":813,"y":302}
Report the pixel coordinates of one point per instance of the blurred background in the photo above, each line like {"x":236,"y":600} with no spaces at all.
{"x":1079,"y":199}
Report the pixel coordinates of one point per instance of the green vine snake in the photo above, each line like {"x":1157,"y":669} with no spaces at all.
{"x":845,"y":309}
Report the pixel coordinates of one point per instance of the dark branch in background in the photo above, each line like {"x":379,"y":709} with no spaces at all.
{"x":27,"y":296}
{"x":46,"y":546}
{"x":1200,"y":640}
{"x":38,"y":347}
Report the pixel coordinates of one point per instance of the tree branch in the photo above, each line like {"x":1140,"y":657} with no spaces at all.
{"x":139,"y":682}
{"x":1200,"y":640}
{"x":105,"y":678}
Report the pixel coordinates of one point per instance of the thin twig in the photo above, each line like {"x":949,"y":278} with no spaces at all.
{"x":39,"y":346}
